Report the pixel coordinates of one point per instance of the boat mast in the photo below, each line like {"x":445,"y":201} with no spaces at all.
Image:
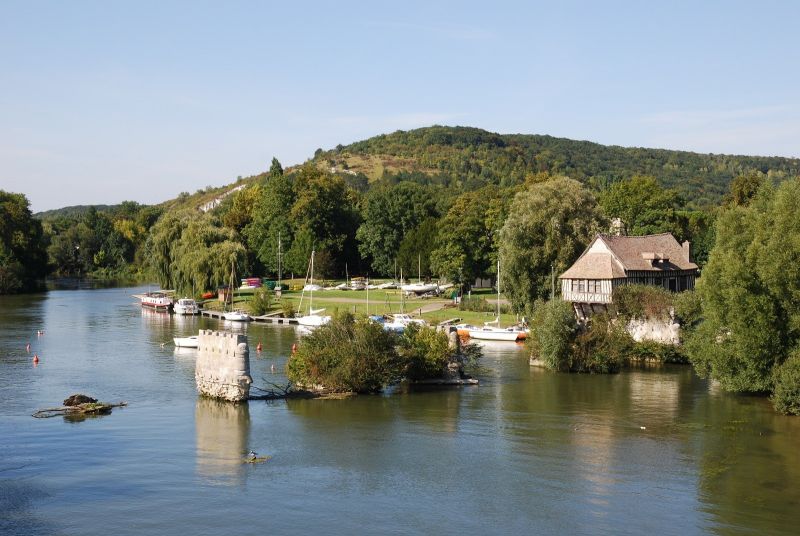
{"x":311,"y":299}
{"x":419,"y":267}
{"x":402,"y":303}
{"x":279,"y":259}
{"x":498,"y":292}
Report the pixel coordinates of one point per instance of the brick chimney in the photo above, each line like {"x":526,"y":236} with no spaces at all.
{"x":686,"y":250}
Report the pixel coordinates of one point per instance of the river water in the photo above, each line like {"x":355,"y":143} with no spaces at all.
{"x":526,"y":451}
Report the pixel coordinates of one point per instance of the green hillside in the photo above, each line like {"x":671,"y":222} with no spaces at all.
{"x":468,"y":158}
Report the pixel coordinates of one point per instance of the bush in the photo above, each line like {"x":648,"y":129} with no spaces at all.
{"x":601,"y":347}
{"x":663,"y":353}
{"x":425,"y":351}
{"x":347,"y":355}
{"x":287,"y":309}
{"x":553,"y":326}
{"x":786,"y":391}
{"x":642,"y":301}
{"x":261,"y":302}
{"x":480,"y":305}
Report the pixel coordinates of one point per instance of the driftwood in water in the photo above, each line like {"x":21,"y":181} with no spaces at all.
{"x":278,"y":392}
{"x":81,"y":410}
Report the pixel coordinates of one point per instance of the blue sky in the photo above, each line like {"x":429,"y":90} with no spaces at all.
{"x":107,"y":101}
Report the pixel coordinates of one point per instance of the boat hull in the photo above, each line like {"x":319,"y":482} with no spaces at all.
{"x":496,"y":335}
{"x":186,"y":342}
{"x":312,"y":321}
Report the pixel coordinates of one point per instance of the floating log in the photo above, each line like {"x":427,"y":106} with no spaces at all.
{"x":85,"y":409}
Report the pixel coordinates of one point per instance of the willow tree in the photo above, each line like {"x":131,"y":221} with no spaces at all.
{"x":189,"y":251}
{"x":548,"y":226}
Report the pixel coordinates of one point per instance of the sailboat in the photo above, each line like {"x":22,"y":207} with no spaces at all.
{"x":419,"y":287}
{"x":491,"y":332}
{"x":313,"y":318}
{"x":235,"y":315}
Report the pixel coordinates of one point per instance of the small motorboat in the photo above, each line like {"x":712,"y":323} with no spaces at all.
{"x":186,"y":306}
{"x":186,"y":342}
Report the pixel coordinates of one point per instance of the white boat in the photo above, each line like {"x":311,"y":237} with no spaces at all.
{"x":158,"y":301}
{"x":491,"y":333}
{"x":401,"y":321}
{"x":313,"y":318}
{"x":388,"y":285}
{"x":420,"y":288}
{"x":236,"y":316}
{"x":186,"y":306}
{"x":496,"y":333}
{"x":186,"y":342}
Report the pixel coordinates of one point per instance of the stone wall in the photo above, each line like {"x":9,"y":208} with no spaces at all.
{"x":222,"y":369}
{"x":665,"y":331}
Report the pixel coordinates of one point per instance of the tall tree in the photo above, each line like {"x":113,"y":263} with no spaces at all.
{"x":22,"y":254}
{"x":271,"y":219}
{"x":389,"y":212}
{"x":465,"y":244}
{"x":642,"y":204}
{"x":548,"y":226}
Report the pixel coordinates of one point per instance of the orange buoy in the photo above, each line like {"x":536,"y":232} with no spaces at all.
{"x":258,"y":348}
{"x":35,"y":359}
{"x":294,"y":348}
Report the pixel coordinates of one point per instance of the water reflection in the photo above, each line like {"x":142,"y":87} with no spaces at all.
{"x":221,"y":431}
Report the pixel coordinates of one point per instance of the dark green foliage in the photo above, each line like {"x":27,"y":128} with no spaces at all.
{"x":23,"y":260}
{"x":389,"y":214}
{"x":786,"y":391}
{"x":271,"y":220}
{"x":347,"y":355}
{"x":466,"y":243}
{"x":414,"y":255}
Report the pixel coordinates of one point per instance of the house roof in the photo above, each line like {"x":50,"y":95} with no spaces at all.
{"x":621,"y":254}
{"x":595,"y":266}
{"x":632,"y":252}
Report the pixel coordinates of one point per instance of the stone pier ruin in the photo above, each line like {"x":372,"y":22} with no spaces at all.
{"x":222,"y":369}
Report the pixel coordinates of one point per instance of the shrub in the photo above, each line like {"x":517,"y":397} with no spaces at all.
{"x":553,"y":326}
{"x":287,"y":309}
{"x":663,"y":353}
{"x":480,"y":305}
{"x":425,"y":351}
{"x":348,"y":354}
{"x":261,"y":302}
{"x":642,"y":301}
{"x":600,"y":347}
{"x":786,"y":391}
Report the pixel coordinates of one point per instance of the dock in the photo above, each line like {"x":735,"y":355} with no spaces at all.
{"x":266,"y":319}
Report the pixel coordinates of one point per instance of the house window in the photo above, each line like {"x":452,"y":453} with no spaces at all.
{"x":582,"y":285}
{"x":574,"y":285}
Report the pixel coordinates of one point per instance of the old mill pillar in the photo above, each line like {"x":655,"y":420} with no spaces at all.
{"x":222,"y":369}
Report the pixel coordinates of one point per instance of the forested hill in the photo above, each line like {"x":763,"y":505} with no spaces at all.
{"x":469,"y":158}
